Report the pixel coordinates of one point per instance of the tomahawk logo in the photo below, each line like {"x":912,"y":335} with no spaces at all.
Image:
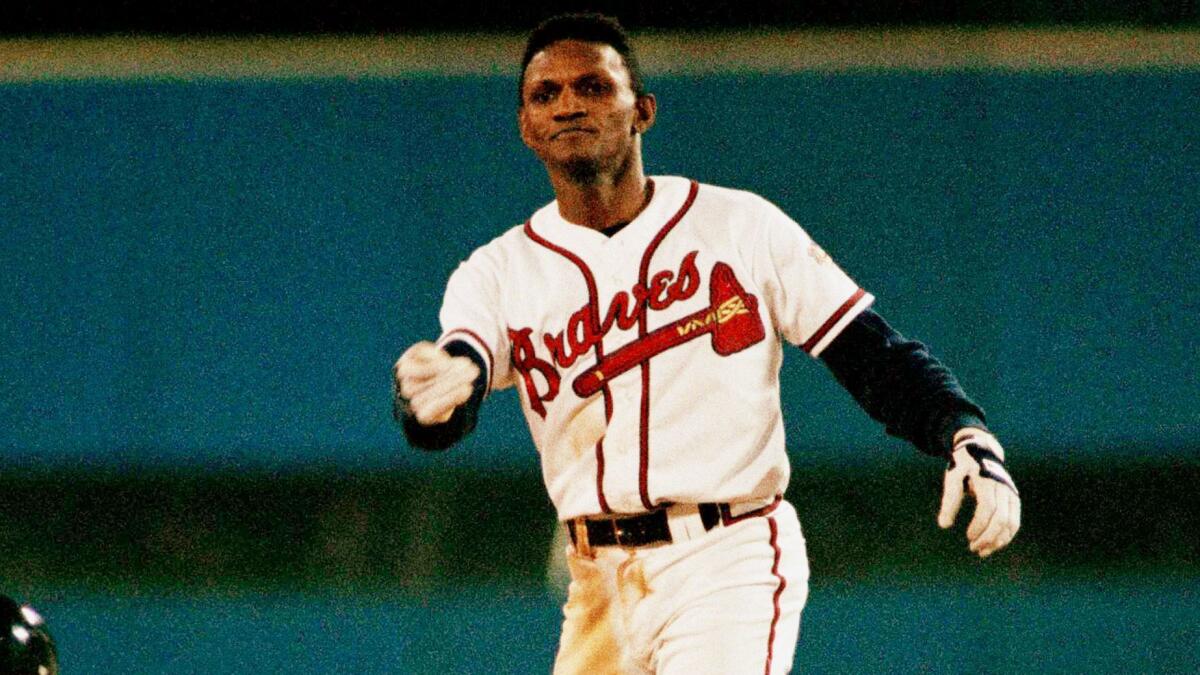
{"x":731,"y":318}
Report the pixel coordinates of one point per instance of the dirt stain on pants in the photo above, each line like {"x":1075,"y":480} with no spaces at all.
{"x":599,"y":610}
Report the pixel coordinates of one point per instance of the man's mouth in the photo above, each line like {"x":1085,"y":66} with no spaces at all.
{"x":572,"y":131}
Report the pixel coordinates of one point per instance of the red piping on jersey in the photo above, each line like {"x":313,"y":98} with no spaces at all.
{"x":643,"y":272}
{"x":594,"y":319}
{"x":829,"y":323}
{"x":727,"y":517}
{"x":491,"y":361}
{"x":778,"y":592}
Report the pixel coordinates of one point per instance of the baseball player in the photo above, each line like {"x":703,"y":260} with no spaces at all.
{"x":642,"y":321}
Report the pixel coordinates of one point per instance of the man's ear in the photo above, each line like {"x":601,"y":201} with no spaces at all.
{"x":645,"y":110}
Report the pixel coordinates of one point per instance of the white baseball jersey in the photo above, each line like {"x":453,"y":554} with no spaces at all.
{"x":648,"y":362}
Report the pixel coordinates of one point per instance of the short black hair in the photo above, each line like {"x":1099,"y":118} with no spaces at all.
{"x":585,"y":27}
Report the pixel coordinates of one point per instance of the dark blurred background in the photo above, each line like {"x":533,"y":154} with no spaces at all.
{"x":212,"y":258}
{"x":375,"y":16}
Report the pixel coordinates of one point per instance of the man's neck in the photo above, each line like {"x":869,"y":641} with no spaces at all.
{"x":604,"y":202}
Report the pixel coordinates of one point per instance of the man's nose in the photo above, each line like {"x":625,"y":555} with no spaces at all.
{"x":569,"y":107}
{"x":568,"y":115}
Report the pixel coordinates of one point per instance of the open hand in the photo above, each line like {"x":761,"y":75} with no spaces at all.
{"x":977,"y":466}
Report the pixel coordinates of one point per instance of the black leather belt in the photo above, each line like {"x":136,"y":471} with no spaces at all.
{"x":640,"y":530}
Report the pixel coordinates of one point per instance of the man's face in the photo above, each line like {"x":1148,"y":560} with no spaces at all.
{"x":579,"y":113}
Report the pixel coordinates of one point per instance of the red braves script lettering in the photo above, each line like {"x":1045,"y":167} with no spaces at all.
{"x":585,"y":329}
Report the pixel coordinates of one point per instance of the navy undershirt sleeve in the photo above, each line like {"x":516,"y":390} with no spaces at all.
{"x":899,"y":383}
{"x":461,"y":423}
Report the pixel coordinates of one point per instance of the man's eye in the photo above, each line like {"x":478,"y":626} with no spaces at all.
{"x":540,"y":97}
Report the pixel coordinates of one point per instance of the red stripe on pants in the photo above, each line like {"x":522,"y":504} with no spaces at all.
{"x":778,"y":592}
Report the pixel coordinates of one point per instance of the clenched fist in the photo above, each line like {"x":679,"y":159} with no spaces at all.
{"x":977,"y":466}
{"x":433,"y":383}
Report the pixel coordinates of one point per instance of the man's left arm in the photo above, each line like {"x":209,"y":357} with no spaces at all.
{"x":900,"y":384}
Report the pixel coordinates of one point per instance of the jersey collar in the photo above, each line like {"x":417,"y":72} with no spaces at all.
{"x":670,"y":192}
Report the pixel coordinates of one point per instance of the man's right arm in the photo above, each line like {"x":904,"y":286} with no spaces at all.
{"x":438,"y":392}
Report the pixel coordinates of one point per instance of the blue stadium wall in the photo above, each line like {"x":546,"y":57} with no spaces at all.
{"x":220,"y":273}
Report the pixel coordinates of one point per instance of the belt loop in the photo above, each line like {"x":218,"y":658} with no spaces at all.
{"x":582,"y":546}
{"x":681,"y":522}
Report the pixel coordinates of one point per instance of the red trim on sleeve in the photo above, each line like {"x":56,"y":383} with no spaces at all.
{"x":832,"y":320}
{"x":643,"y":272}
{"x":491,"y":361}
{"x":594,"y":318}
{"x":778,"y":592}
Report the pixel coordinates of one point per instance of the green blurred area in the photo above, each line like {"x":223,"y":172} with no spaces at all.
{"x":412,"y":532}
